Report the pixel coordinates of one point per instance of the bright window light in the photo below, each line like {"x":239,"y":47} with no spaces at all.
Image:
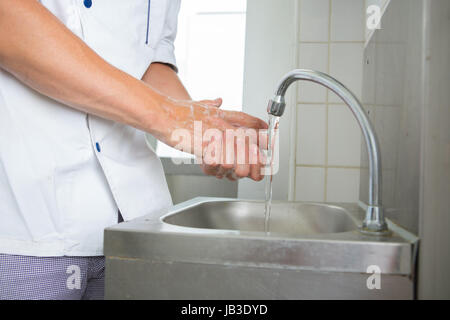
{"x":209,"y":48}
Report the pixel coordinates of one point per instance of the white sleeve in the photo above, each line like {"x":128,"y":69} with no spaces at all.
{"x":164,"y":51}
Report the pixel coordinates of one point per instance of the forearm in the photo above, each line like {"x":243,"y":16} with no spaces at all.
{"x":41,"y":52}
{"x":164,"y":79}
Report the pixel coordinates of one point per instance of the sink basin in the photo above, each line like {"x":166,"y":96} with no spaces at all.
{"x":215,"y":248}
{"x":288,"y":218}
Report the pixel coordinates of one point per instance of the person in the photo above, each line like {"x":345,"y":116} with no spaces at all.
{"x":81,"y":82}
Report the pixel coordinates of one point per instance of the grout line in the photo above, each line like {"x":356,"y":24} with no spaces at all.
{"x":334,"y":42}
{"x":326,"y":166}
{"x":385,"y":106}
{"x":335,"y":104}
{"x":325,"y":193}
{"x":318,"y":166}
{"x":322,"y":103}
{"x":311,"y":103}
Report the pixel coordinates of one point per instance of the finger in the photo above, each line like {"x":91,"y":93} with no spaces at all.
{"x":210,"y":170}
{"x":241,"y":158}
{"x":230,"y":175}
{"x":212,"y":103}
{"x":242,"y":170}
{"x":255,"y":166}
{"x":227,"y":157}
{"x":241,"y":119}
{"x":262,"y":158}
{"x":263,"y":139}
{"x":255,"y":172}
{"x":221,"y":172}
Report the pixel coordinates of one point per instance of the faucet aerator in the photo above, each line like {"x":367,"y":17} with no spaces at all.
{"x":276,"y":106}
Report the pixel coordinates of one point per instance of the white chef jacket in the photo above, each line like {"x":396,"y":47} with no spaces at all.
{"x":63,"y":173}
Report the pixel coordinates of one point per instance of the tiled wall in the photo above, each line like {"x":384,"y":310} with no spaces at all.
{"x":331,"y":39}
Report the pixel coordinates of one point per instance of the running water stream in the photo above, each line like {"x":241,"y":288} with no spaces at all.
{"x":271,"y":134}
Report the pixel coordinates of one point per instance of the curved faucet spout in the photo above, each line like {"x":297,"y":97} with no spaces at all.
{"x":374,"y":221}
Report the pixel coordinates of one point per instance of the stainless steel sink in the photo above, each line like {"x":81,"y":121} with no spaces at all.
{"x":286,"y":218}
{"x":213,"y":248}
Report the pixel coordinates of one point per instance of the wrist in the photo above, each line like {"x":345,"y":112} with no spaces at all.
{"x":158,"y":115}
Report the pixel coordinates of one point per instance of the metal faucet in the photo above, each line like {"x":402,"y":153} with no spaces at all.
{"x":374,"y":222}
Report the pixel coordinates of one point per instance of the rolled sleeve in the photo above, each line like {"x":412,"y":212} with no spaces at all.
{"x":165,"y":49}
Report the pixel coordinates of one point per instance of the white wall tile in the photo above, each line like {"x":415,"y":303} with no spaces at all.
{"x":342,"y":185}
{"x":344,"y":137}
{"x":346,"y":65}
{"x":369,"y":78}
{"x":381,"y":4}
{"x":347,"y":20}
{"x":314,"y":16}
{"x":312,"y":56}
{"x":309,"y":184}
{"x":311,"y":134}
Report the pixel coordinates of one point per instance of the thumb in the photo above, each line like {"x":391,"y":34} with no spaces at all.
{"x":212,"y":103}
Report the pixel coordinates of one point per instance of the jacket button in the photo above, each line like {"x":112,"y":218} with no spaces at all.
{"x":97,"y":146}
{"x":88,"y":3}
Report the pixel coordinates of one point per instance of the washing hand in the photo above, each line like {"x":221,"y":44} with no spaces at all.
{"x":227,"y":142}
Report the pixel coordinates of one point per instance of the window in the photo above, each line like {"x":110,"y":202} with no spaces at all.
{"x":209,"y":49}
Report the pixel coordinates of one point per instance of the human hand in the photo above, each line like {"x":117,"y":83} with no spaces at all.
{"x":230,"y":141}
